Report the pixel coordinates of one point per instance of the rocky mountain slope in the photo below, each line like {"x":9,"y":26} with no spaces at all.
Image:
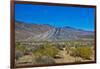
{"x":45,"y":32}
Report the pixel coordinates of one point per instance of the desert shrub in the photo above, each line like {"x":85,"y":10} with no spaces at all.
{"x":74,"y":52}
{"x":44,"y":60}
{"x":20,"y":50}
{"x":20,"y":47}
{"x":60,"y":47}
{"x":46,"y":50}
{"x":18,"y":54}
{"x":84,"y":52}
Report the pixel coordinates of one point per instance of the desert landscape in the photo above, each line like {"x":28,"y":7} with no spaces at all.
{"x":49,"y":34}
{"x":45,"y":44}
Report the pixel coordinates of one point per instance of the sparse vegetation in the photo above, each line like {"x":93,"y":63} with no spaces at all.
{"x":85,"y":52}
{"x":44,"y":60}
{"x":45,"y":53}
{"x":46,"y":50}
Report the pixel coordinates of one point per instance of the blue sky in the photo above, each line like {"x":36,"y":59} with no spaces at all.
{"x":76,"y":17}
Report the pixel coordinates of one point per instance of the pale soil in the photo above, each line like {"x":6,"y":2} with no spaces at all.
{"x":64,"y":58}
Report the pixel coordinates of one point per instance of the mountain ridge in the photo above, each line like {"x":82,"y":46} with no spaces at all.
{"x":46,"y":32}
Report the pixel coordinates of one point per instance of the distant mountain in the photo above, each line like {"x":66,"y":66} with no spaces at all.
{"x":45,"y":32}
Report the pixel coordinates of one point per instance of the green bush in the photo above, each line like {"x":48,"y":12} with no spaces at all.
{"x":20,"y":50}
{"x":46,"y":50}
{"x":84,"y":52}
{"x":20,"y":47}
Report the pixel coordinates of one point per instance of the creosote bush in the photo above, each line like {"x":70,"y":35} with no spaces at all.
{"x":20,"y":50}
{"x":85,"y":52}
{"x":46,"y":50}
